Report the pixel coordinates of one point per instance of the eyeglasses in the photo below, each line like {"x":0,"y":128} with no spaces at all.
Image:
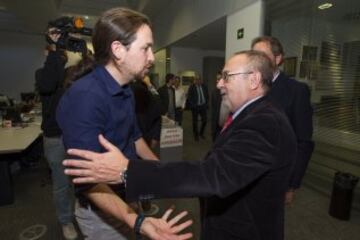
{"x":226,"y":75}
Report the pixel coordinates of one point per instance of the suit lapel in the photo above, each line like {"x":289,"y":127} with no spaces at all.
{"x":221,"y":139}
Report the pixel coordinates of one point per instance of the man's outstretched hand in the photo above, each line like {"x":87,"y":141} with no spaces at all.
{"x":166,"y":229}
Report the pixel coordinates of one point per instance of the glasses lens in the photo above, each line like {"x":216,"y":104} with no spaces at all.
{"x":225,"y":76}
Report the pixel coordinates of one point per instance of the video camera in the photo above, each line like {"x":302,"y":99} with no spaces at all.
{"x":65,"y":26}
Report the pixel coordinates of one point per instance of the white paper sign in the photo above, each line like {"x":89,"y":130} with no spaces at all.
{"x":171,"y":137}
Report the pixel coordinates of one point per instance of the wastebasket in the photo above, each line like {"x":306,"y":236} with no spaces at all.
{"x":342,"y":194}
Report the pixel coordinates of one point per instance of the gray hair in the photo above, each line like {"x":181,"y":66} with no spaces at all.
{"x":258,"y":61}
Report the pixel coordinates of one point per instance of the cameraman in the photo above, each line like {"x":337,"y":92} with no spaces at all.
{"x":49,"y":83}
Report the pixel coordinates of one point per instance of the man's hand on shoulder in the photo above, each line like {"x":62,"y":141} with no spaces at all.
{"x":97,"y":167}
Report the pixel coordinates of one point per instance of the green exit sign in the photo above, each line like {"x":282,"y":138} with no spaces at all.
{"x":240,"y":33}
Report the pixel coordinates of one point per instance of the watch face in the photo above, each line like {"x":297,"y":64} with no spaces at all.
{"x":123,"y":176}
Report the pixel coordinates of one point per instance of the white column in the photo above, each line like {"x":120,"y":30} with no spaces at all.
{"x":250,"y":20}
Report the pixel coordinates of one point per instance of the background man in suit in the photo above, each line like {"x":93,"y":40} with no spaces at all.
{"x":243,"y":178}
{"x":198,"y":98}
{"x":167,"y":96}
{"x":294,"y":98}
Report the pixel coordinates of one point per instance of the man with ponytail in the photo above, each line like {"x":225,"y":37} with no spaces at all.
{"x":102,"y":102}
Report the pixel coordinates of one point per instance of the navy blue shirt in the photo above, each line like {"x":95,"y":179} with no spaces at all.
{"x":96,"y":104}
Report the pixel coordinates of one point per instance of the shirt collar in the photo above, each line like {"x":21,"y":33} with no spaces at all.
{"x":244,"y":106}
{"x":113,"y":87}
{"x":276,"y":74}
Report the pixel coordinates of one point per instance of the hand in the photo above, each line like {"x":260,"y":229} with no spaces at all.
{"x":289,"y":196}
{"x":164,"y":229}
{"x":53,"y":35}
{"x":97,"y":167}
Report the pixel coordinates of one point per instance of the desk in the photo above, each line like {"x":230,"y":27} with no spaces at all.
{"x":14,"y":140}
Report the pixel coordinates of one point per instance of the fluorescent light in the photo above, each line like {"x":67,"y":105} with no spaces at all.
{"x":86,"y":17}
{"x":325,"y":6}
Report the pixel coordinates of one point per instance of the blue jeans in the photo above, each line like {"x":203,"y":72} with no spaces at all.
{"x":62,"y":190}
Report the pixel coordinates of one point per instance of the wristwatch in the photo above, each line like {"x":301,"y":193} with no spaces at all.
{"x":123,"y":176}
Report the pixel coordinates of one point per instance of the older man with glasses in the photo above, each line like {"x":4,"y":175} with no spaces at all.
{"x":243,"y":177}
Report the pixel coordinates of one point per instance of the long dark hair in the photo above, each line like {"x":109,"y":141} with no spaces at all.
{"x":116,"y":24}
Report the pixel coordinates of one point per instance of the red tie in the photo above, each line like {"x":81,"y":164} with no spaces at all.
{"x":227,"y":122}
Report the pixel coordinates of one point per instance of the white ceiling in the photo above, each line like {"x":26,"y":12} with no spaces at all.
{"x":32,"y":16}
{"x":294,"y":8}
{"x":212,"y":36}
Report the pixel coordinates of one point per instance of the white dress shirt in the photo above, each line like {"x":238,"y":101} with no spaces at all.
{"x":180,"y":97}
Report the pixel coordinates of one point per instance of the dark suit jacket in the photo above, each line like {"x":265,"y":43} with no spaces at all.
{"x":294,"y":98}
{"x":193,"y":98}
{"x":243,"y":177}
{"x":147,"y":109}
{"x":49,"y":84}
{"x":164,"y":98}
{"x":215,"y":112}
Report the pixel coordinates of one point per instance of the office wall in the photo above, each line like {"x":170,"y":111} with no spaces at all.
{"x":189,"y":16}
{"x":186,"y":59}
{"x":20,"y":55}
{"x":313,"y":31}
{"x":250,"y":19}
{"x":190,"y":59}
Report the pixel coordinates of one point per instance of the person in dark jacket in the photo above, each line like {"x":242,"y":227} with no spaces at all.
{"x":49,"y":84}
{"x":147,"y":109}
{"x":294,"y":98}
{"x":167,"y":97}
{"x":197,"y":101}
